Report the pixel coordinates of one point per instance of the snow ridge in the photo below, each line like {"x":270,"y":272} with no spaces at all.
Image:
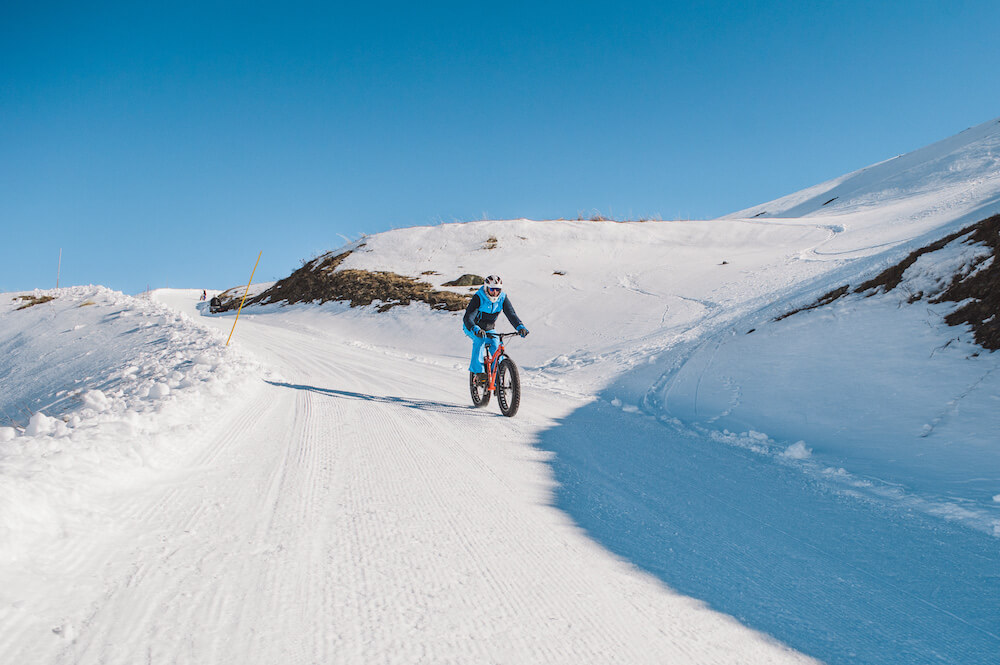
{"x":99,"y":390}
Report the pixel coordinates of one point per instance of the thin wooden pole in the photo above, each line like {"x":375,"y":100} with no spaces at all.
{"x":244,"y":298}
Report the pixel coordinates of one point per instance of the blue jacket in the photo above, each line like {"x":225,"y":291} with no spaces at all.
{"x":483,"y":312}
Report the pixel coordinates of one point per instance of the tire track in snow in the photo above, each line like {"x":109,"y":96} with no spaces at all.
{"x":394,"y":457}
{"x":424,"y":578}
{"x":186,"y":571}
{"x":434,"y":480}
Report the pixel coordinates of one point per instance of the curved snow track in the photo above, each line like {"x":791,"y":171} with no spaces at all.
{"x":358,"y":510}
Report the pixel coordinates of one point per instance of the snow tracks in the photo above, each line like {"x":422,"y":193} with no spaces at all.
{"x":358,"y":510}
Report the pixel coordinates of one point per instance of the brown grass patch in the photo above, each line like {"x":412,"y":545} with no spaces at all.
{"x":597,"y":216}
{"x":321,"y":281}
{"x":362,"y":287}
{"x":890,"y":278}
{"x":31,"y":301}
{"x":981,"y":289}
{"x":977,"y":286}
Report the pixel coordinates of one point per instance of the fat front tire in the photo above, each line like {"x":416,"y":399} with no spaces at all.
{"x":508,"y":387}
{"x":479,"y":390}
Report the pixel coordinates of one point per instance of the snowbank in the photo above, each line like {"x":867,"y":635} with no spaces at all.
{"x":101,"y":391}
{"x":890,"y":400}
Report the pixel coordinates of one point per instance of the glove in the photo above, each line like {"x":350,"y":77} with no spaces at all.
{"x":479,"y":332}
{"x":522,"y":331}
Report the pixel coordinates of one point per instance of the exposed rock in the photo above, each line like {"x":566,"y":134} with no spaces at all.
{"x":466,"y":280}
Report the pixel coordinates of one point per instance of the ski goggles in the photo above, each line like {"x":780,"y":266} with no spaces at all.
{"x":493,"y":291}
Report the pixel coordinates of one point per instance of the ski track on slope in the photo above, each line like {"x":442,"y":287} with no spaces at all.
{"x":357,"y":511}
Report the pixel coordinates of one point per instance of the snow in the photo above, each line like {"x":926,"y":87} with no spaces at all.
{"x":86,"y":384}
{"x":798,"y":450}
{"x":875,"y":385}
{"x":956,"y":174}
{"x":688,"y":480}
{"x":931,"y":275}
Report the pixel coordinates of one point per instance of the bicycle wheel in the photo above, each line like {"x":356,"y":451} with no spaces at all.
{"x":508,"y":387}
{"x":479,"y":389}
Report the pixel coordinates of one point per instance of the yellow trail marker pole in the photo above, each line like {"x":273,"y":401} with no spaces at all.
{"x":244,"y":299}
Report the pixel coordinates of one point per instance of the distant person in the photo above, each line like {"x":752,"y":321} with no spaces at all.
{"x":204,"y":295}
{"x":481,"y":316}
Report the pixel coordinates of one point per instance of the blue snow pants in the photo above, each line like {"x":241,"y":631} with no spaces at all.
{"x":476,"y":364}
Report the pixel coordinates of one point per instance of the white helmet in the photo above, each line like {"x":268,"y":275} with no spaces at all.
{"x":493,"y":287}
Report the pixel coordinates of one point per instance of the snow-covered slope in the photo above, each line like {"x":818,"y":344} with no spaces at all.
{"x":673,"y":489}
{"x":952,"y":182}
{"x":874,"y":393}
{"x":600,"y":292}
{"x":886,"y":397}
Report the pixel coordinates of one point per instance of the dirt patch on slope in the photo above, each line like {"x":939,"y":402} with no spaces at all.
{"x":981,"y":288}
{"x":321,"y":281}
{"x":31,"y":301}
{"x":825,"y":299}
{"x":891,"y":277}
{"x":976,"y":285}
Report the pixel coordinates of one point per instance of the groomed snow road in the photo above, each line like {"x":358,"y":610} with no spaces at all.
{"x":357,"y":509}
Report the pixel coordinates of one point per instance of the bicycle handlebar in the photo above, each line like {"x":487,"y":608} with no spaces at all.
{"x":495,"y":335}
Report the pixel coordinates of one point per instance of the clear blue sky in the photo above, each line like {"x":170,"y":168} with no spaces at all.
{"x":169,"y":142}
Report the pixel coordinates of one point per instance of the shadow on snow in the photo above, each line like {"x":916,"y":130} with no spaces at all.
{"x":421,"y":404}
{"x":841,"y":578}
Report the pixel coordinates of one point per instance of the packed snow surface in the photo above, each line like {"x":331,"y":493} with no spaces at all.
{"x":688,"y":480}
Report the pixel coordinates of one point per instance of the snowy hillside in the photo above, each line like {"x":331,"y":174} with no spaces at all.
{"x":874,"y":392}
{"x":693,"y":477}
{"x":952,"y":183}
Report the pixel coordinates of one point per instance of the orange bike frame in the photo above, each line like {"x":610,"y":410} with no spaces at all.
{"x":491,"y":366}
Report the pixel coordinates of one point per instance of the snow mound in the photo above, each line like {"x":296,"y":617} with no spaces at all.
{"x":101,"y":392}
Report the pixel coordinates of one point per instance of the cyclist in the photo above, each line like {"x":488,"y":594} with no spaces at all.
{"x":480,"y":317}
